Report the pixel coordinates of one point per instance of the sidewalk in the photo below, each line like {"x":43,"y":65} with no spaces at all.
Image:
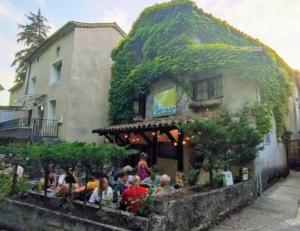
{"x":275,"y":210}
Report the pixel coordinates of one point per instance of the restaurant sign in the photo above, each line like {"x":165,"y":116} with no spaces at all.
{"x":165,"y":103}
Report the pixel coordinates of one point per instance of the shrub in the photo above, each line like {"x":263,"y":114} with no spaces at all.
{"x":193,"y":176}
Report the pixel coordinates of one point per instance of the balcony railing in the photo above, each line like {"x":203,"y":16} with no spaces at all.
{"x":37,"y":127}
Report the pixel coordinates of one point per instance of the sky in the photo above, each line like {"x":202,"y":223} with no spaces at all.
{"x":274,"y":22}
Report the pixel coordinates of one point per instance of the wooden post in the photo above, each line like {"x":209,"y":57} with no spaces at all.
{"x":14,"y":182}
{"x":46,"y":178}
{"x":154,"y":149}
{"x":180,"y":151}
{"x":85,"y":186}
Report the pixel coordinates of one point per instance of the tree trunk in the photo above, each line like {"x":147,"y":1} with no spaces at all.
{"x":14,"y":182}
{"x":46,"y":169}
{"x":100,"y":193}
{"x":210,"y":171}
{"x":225,"y":162}
{"x":85,"y":188}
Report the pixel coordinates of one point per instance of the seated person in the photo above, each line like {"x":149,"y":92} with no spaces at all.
{"x":133,"y":197}
{"x":90,"y":186}
{"x":68,"y":177}
{"x":151,"y":181}
{"x":107,"y":193}
{"x":164,"y":188}
{"x":20,"y":171}
{"x":181,"y":181}
{"x":127,"y":169}
{"x":65,"y":181}
{"x":51,"y":181}
{"x":122,"y":183}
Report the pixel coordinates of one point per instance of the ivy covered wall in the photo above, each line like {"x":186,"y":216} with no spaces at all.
{"x":176,"y":39}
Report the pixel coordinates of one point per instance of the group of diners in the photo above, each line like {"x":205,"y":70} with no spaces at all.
{"x":124,"y":188}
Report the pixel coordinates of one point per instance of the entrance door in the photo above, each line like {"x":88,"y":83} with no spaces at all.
{"x":29,"y":118}
{"x":39,"y":122}
{"x":293,"y":155}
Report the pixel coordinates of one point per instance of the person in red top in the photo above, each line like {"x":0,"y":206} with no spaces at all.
{"x":133,"y":197}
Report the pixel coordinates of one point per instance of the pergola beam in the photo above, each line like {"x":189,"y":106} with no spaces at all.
{"x":145,"y":137}
{"x":170,"y":136}
{"x":109,"y":138}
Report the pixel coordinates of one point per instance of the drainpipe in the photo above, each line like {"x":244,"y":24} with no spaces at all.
{"x":26,"y":91}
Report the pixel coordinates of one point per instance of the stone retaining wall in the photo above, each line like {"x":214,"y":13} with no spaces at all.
{"x":20,"y":216}
{"x":202,"y":209}
{"x":197,"y":211}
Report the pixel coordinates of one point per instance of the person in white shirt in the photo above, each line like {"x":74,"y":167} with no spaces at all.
{"x":107,"y":193}
{"x":20,"y":171}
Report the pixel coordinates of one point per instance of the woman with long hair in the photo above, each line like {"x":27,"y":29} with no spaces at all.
{"x":142,"y":169}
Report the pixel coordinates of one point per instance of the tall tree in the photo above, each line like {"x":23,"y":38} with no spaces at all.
{"x":31,"y":35}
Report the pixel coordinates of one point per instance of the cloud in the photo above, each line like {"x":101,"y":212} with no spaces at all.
{"x":124,"y":12}
{"x":10,"y":12}
{"x":40,"y":2}
{"x":275,"y":23}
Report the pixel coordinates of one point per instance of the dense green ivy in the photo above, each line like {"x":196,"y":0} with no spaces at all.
{"x":176,"y":39}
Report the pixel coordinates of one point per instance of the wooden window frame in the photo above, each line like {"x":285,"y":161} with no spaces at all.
{"x":208,"y":88}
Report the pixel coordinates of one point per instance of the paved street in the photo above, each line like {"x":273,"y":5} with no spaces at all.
{"x":275,"y":210}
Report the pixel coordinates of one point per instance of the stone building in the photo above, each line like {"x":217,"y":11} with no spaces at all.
{"x":188,"y":67}
{"x":65,"y":93}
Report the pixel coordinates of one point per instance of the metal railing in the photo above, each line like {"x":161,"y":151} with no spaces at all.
{"x":38,"y":127}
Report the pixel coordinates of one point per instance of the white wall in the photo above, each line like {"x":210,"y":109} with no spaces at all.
{"x":271,"y":160}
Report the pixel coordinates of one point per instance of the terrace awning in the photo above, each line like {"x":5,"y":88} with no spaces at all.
{"x":151,"y":133}
{"x":149,"y":125}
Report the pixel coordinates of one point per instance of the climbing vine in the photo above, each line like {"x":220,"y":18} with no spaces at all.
{"x":175,"y":39}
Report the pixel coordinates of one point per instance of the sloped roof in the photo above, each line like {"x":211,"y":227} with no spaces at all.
{"x":67,"y":28}
{"x":152,"y":124}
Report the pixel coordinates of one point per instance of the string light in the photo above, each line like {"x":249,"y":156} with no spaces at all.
{"x":126,"y":136}
{"x":175,"y":144}
{"x":184,"y":142}
{"x":153,"y":133}
{"x":187,"y":138}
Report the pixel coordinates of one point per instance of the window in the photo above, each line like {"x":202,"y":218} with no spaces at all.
{"x":55,"y":73}
{"x":32,"y":85}
{"x":57,"y":51}
{"x":142,"y":105}
{"x":208,"y":88}
{"x":267,"y":139}
{"x":52,"y":109}
{"x":29,"y":117}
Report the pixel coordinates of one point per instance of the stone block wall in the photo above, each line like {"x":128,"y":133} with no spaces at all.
{"x":19,"y":216}
{"x":195,"y":211}
{"x":202,"y":209}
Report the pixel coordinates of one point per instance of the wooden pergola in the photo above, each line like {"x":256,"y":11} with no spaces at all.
{"x":148,"y":133}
